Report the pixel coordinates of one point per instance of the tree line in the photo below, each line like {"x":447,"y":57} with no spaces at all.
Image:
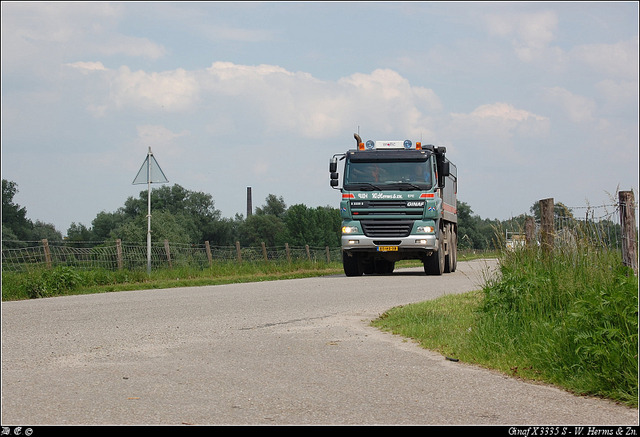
{"x":190,"y":217}
{"x":182,"y":216}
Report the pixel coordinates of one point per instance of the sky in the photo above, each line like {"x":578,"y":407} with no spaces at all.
{"x":532,"y":100}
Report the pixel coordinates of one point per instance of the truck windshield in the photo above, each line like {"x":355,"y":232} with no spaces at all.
{"x":380,"y":175}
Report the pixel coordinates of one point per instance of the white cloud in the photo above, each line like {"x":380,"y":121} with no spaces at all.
{"x":530,"y":33}
{"x":87,"y":67}
{"x":161,"y":140}
{"x":619,"y":96}
{"x":504,"y":111}
{"x":579,"y":108}
{"x":150,"y":134}
{"x":497,"y":130}
{"x":129,"y":46}
{"x":619,"y":60}
{"x":37,"y":35}
{"x":274,"y":99}
{"x":171,"y":91}
{"x":497,"y":120}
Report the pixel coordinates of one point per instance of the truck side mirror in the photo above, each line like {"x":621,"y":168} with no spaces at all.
{"x":333,"y":165}
{"x":444,"y":171}
{"x":334,"y":178}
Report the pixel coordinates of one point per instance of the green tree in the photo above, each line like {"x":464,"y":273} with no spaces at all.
{"x":317,"y":227}
{"x":560,"y":210}
{"x":274,"y":206}
{"x":105,"y":222}
{"x":9,"y":239}
{"x":265,"y":228}
{"x":266,"y":225}
{"x":79,"y":232}
{"x":164,"y":226}
{"x":473,"y":231}
{"x":194,"y":212}
{"x":43,"y":230}
{"x":14,"y":217}
{"x":468,"y":235}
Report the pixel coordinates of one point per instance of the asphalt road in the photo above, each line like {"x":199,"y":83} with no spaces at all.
{"x":287,"y":352}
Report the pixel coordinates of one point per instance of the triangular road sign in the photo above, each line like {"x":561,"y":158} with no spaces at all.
{"x":150,"y":173}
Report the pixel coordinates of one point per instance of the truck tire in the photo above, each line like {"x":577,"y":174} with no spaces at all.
{"x":434,"y":264}
{"x":352,"y":265}
{"x":450,"y":259}
{"x":454,"y":250}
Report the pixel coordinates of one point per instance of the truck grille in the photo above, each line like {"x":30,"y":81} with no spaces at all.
{"x":397,"y":208}
{"x":387,"y":228}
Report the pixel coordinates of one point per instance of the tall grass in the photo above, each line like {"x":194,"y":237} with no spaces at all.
{"x":569,"y":318}
{"x":572,"y":316}
{"x":64,"y":280}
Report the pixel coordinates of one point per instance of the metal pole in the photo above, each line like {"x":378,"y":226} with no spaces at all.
{"x":149,"y":212}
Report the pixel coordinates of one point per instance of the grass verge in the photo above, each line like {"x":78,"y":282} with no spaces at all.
{"x":64,"y":281}
{"x":570,"y":319}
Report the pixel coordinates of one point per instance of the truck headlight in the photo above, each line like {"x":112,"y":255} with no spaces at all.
{"x":349,"y":229}
{"x":425,"y":229}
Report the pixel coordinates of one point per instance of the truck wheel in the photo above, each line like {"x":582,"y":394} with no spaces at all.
{"x":454,"y":251}
{"x":434,"y":264}
{"x":451,"y":258}
{"x":352,"y":265}
{"x":447,"y":257}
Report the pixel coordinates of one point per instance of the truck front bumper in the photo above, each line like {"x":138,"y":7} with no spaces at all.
{"x":413,"y":243}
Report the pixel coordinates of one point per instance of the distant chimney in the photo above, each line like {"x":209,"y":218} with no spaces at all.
{"x":249,"y":205}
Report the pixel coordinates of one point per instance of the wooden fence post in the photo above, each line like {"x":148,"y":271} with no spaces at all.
{"x":328,"y":255}
{"x":529,"y":230}
{"x":206,"y":245}
{"x":628,"y":224}
{"x":239,"y":255}
{"x":47,"y":253}
{"x":306,"y":246}
{"x":264,"y":252}
{"x":546,"y":224}
{"x":286,"y":247}
{"x":166,"y":249}
{"x":119,"y":253}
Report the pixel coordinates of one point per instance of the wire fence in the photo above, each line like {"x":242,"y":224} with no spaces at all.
{"x":598,"y":226}
{"x":606,"y":227}
{"x":115,"y":255}
{"x":604,"y":230}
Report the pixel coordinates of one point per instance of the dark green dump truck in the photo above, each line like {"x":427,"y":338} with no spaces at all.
{"x":398,"y":202}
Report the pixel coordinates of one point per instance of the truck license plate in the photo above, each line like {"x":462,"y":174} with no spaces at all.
{"x":387,"y":248}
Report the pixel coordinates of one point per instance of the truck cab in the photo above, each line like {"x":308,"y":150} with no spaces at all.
{"x":398,"y":202}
